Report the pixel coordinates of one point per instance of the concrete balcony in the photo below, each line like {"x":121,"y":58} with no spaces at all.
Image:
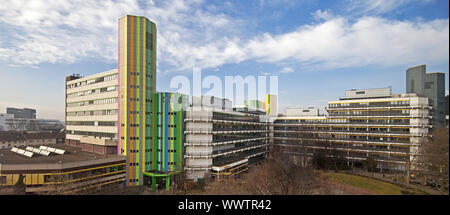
{"x":98,"y":141}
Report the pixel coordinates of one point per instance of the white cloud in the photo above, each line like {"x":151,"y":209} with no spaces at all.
{"x":191,"y":35}
{"x":369,"y":40}
{"x":287,"y":70}
{"x":322,"y":15}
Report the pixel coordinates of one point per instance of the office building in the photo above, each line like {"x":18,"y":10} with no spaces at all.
{"x":366,"y":123}
{"x":91,"y":112}
{"x":272,"y":105}
{"x":431,"y":85}
{"x":166,"y":155}
{"x":26,"y":113}
{"x":221,"y":141}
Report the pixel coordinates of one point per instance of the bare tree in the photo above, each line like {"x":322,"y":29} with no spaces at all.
{"x":32,"y":125}
{"x":434,"y":159}
{"x":17,"y":124}
{"x":275,"y":176}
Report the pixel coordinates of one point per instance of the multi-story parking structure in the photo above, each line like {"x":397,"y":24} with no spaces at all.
{"x":220,"y":141}
{"x":367,"y":123}
{"x":91,"y":112}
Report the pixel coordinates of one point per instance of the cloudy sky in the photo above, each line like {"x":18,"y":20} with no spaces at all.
{"x":317,"y":48}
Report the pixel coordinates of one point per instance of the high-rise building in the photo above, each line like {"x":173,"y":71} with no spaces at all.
{"x":137,"y":70}
{"x":91,"y":112}
{"x":431,"y":85}
{"x":26,"y":113}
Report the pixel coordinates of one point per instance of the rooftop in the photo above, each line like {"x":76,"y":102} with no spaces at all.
{"x":71,"y":155}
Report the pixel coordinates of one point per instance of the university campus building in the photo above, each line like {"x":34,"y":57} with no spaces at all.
{"x":366,"y":123}
{"x":162,"y":134}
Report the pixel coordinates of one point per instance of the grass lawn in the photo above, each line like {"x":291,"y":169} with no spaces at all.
{"x":379,"y":187}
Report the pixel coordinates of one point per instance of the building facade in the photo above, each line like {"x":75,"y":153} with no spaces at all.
{"x":137,"y":74}
{"x":272,"y":105}
{"x":431,"y":85}
{"x":166,"y":156}
{"x":26,"y":113}
{"x":220,"y":141}
{"x":386,"y":127}
{"x":92,"y":112}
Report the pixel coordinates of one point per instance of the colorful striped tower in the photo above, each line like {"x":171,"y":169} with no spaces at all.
{"x":168,"y":137}
{"x":272,"y":105}
{"x":137,"y":70}
{"x":169,"y":131}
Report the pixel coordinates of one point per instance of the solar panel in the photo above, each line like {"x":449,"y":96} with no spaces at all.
{"x":57,"y":151}
{"x":28,"y":154}
{"x":22,"y":152}
{"x":39,"y":151}
{"x":50,"y":149}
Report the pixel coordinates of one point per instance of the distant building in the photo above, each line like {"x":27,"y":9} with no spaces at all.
{"x":431,"y":85}
{"x":26,"y":113}
{"x":9,"y":123}
{"x":272,"y":105}
{"x":9,"y":139}
{"x":310,"y":111}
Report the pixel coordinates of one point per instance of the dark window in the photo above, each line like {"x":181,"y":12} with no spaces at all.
{"x":428,"y":85}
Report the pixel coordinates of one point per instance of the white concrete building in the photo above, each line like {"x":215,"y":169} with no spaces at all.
{"x":387,"y":127}
{"x":91,"y":112}
{"x":222,"y":142}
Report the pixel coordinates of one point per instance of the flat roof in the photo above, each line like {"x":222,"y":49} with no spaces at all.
{"x":72,"y":155}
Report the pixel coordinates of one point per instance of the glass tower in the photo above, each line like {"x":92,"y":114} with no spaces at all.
{"x":431,"y":85}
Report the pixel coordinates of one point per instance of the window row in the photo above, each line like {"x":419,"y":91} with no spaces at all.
{"x":93,"y":91}
{"x":93,"y":113}
{"x":93,"y":102}
{"x":93,"y":81}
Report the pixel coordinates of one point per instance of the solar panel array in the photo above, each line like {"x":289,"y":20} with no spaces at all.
{"x":22,"y":152}
{"x":50,"y":149}
{"x":39,"y":151}
{"x":43,"y":150}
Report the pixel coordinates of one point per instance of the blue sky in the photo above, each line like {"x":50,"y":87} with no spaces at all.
{"x":318,"y":49}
